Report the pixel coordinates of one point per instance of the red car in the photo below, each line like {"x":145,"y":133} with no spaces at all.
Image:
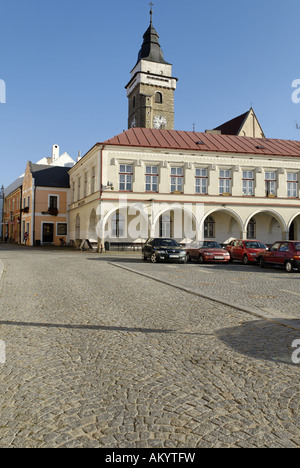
{"x":282,"y":253}
{"x":207,"y":251}
{"x":245,"y":250}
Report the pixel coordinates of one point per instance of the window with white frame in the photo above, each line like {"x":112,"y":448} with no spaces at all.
{"x":176,"y":179}
{"x":151,"y":178}
{"x":271,"y":185}
{"x":165,"y":225}
{"x":53,"y":202}
{"x":61,"y":229}
{"x":224,"y":181}
{"x":248,"y":183}
{"x":125,"y":177}
{"x":292,"y":185}
{"x":201,"y":181}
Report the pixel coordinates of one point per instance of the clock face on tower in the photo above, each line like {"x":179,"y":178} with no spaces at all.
{"x":159,"y":122}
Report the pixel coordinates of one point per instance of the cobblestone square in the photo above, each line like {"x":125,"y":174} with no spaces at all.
{"x":107,"y":351}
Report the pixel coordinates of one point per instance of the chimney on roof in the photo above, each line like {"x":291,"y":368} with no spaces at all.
{"x":55,"y":152}
{"x":79,"y":156}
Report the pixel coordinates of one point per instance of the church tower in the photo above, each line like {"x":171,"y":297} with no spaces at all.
{"x":151,"y":89}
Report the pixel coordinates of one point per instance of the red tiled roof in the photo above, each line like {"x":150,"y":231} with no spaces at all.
{"x":204,"y":142}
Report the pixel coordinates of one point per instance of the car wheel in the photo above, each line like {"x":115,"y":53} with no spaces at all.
{"x":289,"y":266}
{"x":258,"y":261}
{"x":245,"y":260}
{"x":154,"y":258}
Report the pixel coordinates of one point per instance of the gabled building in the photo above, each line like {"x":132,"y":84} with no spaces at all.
{"x":246,"y":125}
{"x":45,"y":198}
{"x":57,"y":159}
{"x":12,"y":211}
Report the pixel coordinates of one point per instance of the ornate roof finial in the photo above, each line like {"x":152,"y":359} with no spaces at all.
{"x":151,"y":11}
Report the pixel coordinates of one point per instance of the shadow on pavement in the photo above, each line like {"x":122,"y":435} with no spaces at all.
{"x":264,"y":340}
{"x":118,"y":259}
{"x":95,"y":327}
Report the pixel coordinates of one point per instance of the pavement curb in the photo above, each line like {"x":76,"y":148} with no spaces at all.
{"x":285,"y":321}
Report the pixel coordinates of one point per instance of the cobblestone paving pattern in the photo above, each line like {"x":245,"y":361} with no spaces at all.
{"x":100,"y":357}
{"x":270,"y":289}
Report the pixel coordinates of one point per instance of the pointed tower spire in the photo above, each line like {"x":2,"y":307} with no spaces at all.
{"x":151,"y":49}
{"x":151,"y":89}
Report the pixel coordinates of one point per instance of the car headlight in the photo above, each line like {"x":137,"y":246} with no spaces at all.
{"x":208,"y":253}
{"x":182,"y":253}
{"x":161,"y":251}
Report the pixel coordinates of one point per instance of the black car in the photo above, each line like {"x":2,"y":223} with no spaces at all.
{"x":163,"y":250}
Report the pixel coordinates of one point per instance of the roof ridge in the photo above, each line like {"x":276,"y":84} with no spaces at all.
{"x":187,"y":140}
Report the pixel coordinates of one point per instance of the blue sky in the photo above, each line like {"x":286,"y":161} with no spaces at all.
{"x":66,"y":63}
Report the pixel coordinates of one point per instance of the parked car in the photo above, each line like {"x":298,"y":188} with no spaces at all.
{"x":207,"y":251}
{"x":163,"y":249}
{"x":282,"y":253}
{"x":245,"y":250}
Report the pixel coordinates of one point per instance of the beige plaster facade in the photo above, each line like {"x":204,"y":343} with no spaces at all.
{"x":85,"y":196}
{"x":217,"y":195}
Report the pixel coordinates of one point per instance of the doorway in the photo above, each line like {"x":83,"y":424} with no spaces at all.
{"x":48,"y":231}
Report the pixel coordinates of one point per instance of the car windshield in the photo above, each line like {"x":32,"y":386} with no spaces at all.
{"x":205,"y":245}
{"x":165,"y":243}
{"x":254,"y":245}
{"x":210,"y":245}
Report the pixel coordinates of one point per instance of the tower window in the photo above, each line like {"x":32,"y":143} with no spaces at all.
{"x":158,"y":98}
